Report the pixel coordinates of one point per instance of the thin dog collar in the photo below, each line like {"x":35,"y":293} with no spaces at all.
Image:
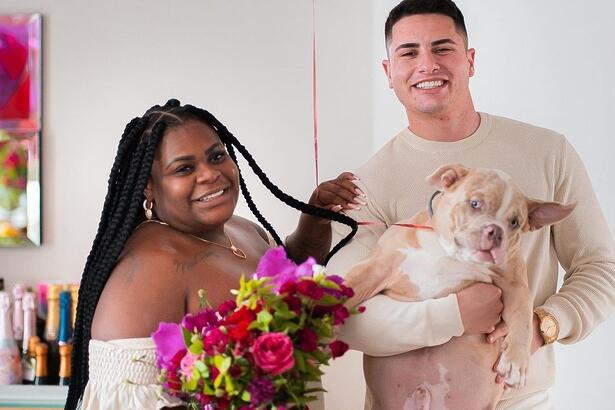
{"x":430,"y":204}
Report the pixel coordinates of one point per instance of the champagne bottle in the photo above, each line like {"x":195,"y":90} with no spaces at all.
{"x":18,"y":291}
{"x":66,"y":329}
{"x":28,"y":349}
{"x":65,"y":370}
{"x":42,"y":374}
{"x":74,"y":294}
{"x":52,"y":329}
{"x":28,"y":360}
{"x":10,"y":360}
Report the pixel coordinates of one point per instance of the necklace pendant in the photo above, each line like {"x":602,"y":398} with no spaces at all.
{"x":238,"y":252}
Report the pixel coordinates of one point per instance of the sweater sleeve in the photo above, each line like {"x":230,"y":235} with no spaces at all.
{"x":586,"y":252}
{"x":389,"y":327}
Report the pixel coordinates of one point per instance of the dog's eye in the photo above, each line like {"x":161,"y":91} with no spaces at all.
{"x":514,"y":223}
{"x":475,"y":204}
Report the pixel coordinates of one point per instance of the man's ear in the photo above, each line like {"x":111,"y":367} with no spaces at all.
{"x":541,"y":214}
{"x":445,"y":176}
{"x":471,"y":53}
{"x":386,"y":64}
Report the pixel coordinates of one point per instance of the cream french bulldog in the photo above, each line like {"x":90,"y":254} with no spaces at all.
{"x":473,"y":234}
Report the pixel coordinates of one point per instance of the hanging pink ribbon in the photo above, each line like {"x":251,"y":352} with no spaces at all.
{"x":314,"y":104}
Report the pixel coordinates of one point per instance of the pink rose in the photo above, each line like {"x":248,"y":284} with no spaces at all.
{"x":273,"y":352}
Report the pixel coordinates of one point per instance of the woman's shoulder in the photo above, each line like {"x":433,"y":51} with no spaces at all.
{"x":248,"y":227}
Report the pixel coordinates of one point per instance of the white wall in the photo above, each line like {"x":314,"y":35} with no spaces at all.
{"x":250,"y":64}
{"x":549,"y":63}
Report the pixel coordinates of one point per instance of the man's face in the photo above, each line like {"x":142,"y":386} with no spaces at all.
{"x":428,"y":66}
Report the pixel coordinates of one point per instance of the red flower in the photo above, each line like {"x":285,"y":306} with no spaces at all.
{"x":294,"y":303}
{"x":239,"y":332}
{"x":238,"y":323}
{"x":338,"y":348}
{"x":289,"y":287}
{"x":241,"y":315}
{"x":361,"y":309}
{"x":340,"y":314}
{"x":310,"y":289}
{"x":308,"y":339}
{"x":227,"y":307}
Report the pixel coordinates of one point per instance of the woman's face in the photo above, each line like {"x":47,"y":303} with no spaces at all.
{"x":194,"y":183}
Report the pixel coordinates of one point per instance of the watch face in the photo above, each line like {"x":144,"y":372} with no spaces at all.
{"x":548,"y":327}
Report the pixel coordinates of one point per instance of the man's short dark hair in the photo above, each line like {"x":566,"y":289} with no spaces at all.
{"x":412,"y":7}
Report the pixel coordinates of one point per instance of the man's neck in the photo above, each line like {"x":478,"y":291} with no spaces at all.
{"x":444,"y":127}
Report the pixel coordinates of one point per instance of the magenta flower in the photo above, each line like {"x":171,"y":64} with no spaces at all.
{"x":275,"y":265}
{"x":338,"y":348}
{"x":261,"y":391}
{"x":308,"y":339}
{"x":215,"y":341}
{"x":273,"y":352}
{"x":196,"y":323}
{"x":168,"y":340}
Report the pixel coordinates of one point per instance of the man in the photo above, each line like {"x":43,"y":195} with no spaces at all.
{"x":428,"y":67}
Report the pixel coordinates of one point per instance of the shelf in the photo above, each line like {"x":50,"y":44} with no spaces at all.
{"x":33,"y":397}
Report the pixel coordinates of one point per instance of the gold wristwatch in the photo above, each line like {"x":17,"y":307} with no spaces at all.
{"x":548,"y":326}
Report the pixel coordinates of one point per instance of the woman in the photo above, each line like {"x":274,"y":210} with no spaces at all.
{"x":146,"y":265}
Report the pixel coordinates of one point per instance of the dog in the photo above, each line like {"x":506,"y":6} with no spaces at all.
{"x":471,"y":232}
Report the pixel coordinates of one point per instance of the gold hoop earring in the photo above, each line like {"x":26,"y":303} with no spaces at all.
{"x":148,"y":209}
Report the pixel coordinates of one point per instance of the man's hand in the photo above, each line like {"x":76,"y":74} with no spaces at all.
{"x":480,"y":306}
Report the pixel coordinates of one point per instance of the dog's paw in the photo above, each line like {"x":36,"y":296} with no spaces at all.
{"x":512,"y":368}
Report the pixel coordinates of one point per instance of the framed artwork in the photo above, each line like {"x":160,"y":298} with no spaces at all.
{"x":20,"y":129}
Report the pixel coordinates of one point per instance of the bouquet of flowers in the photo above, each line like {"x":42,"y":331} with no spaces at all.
{"x":13,"y":173}
{"x":261,"y":350}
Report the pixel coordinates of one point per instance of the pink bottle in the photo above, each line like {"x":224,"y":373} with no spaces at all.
{"x":18,"y":291}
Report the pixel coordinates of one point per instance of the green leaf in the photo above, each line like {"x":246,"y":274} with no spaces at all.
{"x":187,"y":336}
{"x":202,"y":368}
{"x":299,"y":360}
{"x":245,"y":396}
{"x":192,"y":384}
{"x":196,"y":348}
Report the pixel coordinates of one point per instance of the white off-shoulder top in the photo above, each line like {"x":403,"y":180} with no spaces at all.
{"x":123,"y":375}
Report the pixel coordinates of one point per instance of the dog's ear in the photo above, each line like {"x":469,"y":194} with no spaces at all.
{"x":542,"y":214}
{"x":447,"y":175}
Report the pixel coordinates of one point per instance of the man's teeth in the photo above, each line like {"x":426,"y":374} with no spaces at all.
{"x":211,"y":196}
{"x":425,"y":85}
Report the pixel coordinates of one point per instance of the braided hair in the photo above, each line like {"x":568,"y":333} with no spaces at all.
{"x":121,"y":213}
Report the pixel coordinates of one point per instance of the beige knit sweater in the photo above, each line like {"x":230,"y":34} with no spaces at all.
{"x":546,"y":167}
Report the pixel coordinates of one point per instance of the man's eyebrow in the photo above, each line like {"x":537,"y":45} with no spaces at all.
{"x":443,"y":41}
{"x":433,"y":44}
{"x":407,"y":45}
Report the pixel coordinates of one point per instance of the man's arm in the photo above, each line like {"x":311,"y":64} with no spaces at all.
{"x":586,"y":251}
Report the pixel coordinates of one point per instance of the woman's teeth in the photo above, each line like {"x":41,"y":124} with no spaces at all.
{"x":211,"y":196}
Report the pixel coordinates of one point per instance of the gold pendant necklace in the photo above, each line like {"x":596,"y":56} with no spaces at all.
{"x":236,"y":251}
